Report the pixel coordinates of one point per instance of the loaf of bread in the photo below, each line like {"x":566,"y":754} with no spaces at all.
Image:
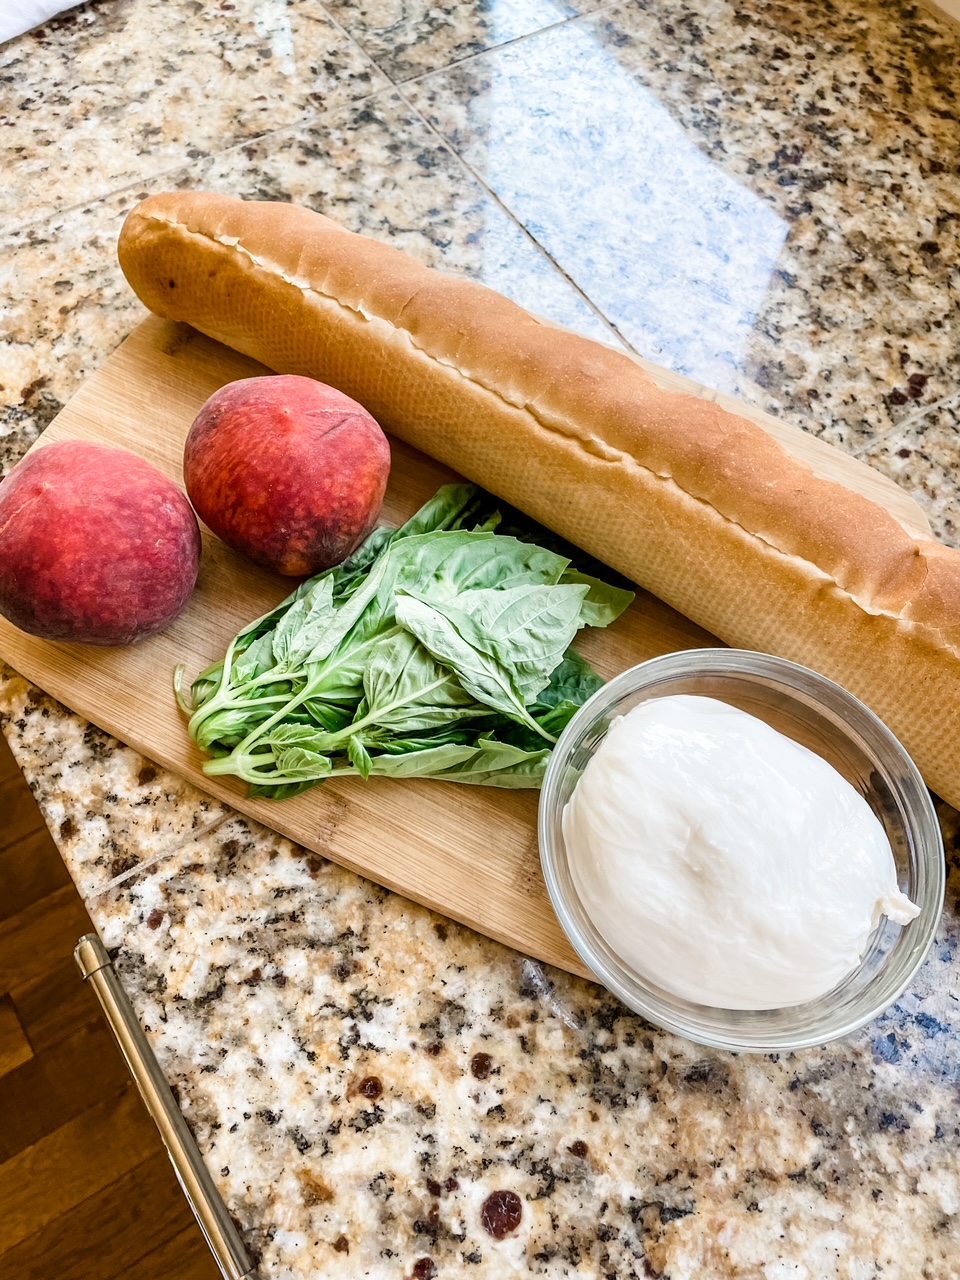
{"x":699,"y":505}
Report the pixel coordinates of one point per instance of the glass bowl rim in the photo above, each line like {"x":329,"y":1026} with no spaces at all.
{"x":790,"y":677}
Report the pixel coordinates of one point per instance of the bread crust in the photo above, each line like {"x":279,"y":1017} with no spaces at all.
{"x":698,"y":505}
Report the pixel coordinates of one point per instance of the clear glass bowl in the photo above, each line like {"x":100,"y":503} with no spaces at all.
{"x":827,"y":719}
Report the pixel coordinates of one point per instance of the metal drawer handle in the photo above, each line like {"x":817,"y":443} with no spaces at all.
{"x":194,"y":1177}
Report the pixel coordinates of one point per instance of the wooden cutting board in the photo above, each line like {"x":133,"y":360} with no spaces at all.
{"x":469,"y":852}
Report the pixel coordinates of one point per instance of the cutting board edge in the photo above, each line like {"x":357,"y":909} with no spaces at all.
{"x":562,"y":957}
{"x":171,"y":347}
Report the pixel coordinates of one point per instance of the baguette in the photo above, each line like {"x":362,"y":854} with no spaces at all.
{"x":698,"y":505}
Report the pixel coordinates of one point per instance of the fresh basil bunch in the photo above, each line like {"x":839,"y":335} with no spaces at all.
{"x":437,"y":650}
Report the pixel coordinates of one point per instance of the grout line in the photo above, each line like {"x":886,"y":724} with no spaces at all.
{"x":908,"y":421}
{"x":197,"y":834}
{"x":181,"y":843}
{"x":398,"y":87}
{"x":506,"y":44}
{"x":920,"y":413}
{"x":497,"y":200}
{"x":352,"y":39}
{"x":186,"y":163}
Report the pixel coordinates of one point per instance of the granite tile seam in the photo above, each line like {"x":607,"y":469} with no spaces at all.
{"x":49,"y":219}
{"x":619,"y":340}
{"x":781,"y":343}
{"x":911,"y":420}
{"x":14,"y":228}
{"x":588,"y":16}
{"x":174,"y":847}
{"x":620,"y":337}
{"x":492,"y":49}
{"x":187,"y":162}
{"x":152,"y":863}
{"x":135,"y":92}
{"x":409,"y":88}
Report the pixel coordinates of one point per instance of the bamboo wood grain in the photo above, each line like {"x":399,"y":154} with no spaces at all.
{"x":470,"y":853}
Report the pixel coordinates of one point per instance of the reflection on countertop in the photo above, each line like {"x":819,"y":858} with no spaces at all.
{"x":763,"y":196}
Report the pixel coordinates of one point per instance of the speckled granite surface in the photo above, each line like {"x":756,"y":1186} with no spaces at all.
{"x":765,"y":196}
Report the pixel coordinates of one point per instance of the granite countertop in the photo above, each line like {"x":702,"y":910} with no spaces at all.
{"x":763,"y":196}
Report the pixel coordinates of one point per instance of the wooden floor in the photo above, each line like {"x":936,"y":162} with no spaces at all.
{"x":86,"y":1190}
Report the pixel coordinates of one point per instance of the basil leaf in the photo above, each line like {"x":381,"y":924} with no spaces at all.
{"x":526,"y":630}
{"x":441,"y":566}
{"x":348,"y":574}
{"x":571,"y":684}
{"x":558,"y":717}
{"x":293,"y":735}
{"x":304,"y":626}
{"x":574,"y":680}
{"x":297,"y":764}
{"x":603,"y":603}
{"x":326,"y":716}
{"x":349,"y":612}
{"x":487,"y":763}
{"x":421,"y":764}
{"x":439,"y":649}
{"x":359,"y":757}
{"x":519,"y":525}
{"x":445,"y":564}
{"x":228,"y":727}
{"x":407,"y":690}
{"x":479,"y":673}
{"x":451,"y":507}
{"x":454,"y":506}
{"x":499,"y":764}
{"x":461,"y":734}
{"x":267,"y":621}
{"x":254,"y":660}
{"x":523,"y":776}
{"x":205,"y":685}
{"x":339,"y":679}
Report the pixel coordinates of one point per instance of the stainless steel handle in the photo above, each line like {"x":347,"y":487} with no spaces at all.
{"x":194,"y":1177}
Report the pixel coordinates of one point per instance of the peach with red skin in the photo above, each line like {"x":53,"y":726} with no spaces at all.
{"x":96,"y":545}
{"x":287,"y":470}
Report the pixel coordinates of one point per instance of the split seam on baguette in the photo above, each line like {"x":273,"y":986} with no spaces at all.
{"x":588,"y":444}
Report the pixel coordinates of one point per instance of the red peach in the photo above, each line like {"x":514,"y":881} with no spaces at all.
{"x":286,"y":470}
{"x":96,"y":545}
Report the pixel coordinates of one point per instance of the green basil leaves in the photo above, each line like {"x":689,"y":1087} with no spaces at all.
{"x":437,"y":650}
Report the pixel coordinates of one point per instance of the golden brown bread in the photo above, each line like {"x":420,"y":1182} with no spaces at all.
{"x":700,"y":506}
